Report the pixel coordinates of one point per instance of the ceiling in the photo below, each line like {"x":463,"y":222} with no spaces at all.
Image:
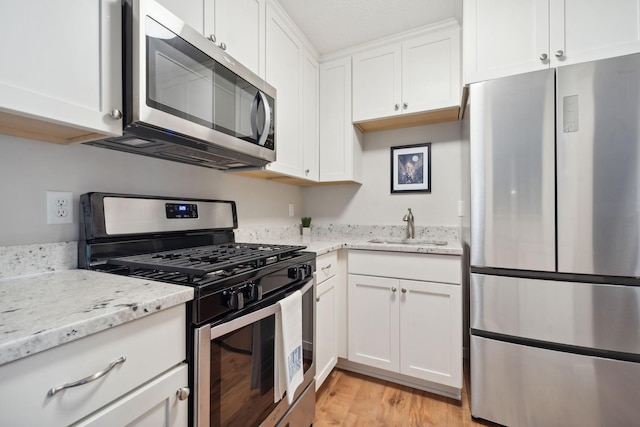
{"x":333,"y":25}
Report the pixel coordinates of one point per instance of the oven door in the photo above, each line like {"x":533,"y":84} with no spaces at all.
{"x":234,"y":368}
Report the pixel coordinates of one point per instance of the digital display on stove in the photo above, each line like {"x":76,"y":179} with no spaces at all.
{"x":181,"y":210}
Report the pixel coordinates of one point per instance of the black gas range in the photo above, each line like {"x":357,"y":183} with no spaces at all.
{"x":186,"y":242}
{"x":191,"y":242}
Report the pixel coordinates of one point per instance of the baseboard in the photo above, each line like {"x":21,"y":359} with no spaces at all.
{"x":393,"y":377}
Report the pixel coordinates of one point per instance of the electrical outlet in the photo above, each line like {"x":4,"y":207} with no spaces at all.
{"x":59,"y":207}
{"x":291,"y":209}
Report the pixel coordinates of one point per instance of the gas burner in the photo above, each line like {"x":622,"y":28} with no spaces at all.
{"x":222,"y":260}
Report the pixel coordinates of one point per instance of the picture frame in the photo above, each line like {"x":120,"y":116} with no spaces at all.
{"x":411,"y":168}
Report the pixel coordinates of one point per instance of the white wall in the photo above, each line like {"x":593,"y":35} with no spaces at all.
{"x":372,"y":202}
{"x":29,"y":168}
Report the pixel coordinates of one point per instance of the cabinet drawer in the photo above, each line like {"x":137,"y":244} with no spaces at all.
{"x":403,"y":265}
{"x":151,"y":345}
{"x":326,"y":266}
{"x":154,"y":404}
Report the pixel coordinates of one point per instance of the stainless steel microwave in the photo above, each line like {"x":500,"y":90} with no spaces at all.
{"x":187,"y":100}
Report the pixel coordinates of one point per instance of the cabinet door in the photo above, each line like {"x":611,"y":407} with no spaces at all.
{"x":377,"y":83}
{"x":504,"y":37}
{"x":326,"y":330}
{"x":63,"y":67}
{"x":373,"y":330}
{"x":283,"y":72}
{"x":189,"y":11}
{"x":586,"y":30}
{"x":340,"y":141}
{"x":431,"y":332}
{"x":431,"y":72}
{"x":154,"y":404}
{"x":239,"y":24}
{"x":309,"y":115}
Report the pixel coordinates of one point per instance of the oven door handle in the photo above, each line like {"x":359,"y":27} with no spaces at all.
{"x":241,"y":322}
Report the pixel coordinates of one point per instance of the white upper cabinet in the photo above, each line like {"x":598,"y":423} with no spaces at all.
{"x":310,"y":91}
{"x":191,"y":12}
{"x":284,"y":55}
{"x":61,"y":73}
{"x":505,"y":37}
{"x":418,"y":74}
{"x":293,"y":71}
{"x":585,"y":30}
{"x":377,"y":83}
{"x":340,"y":141}
{"x":238,"y":25}
{"x":431,"y":71}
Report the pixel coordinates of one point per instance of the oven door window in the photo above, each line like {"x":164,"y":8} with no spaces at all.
{"x":185,"y":82}
{"x":242,"y":375}
{"x":242,"y":370}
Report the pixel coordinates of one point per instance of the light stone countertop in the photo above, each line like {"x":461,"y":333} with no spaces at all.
{"x":330,"y":237}
{"x":322,"y":245}
{"x":42,"y":311}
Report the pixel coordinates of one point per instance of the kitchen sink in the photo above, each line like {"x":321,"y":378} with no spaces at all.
{"x":409,"y":242}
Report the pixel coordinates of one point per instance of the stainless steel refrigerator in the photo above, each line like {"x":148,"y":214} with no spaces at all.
{"x":555,"y":246}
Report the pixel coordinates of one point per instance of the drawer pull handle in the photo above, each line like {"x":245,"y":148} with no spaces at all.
{"x":90,"y":378}
{"x":326,"y":267}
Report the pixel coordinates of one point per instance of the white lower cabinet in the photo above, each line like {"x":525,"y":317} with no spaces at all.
{"x":402,"y":325}
{"x":326,"y":330}
{"x":141,"y":390}
{"x":326,"y":316}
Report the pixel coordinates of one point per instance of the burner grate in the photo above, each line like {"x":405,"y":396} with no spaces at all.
{"x":202,"y":260}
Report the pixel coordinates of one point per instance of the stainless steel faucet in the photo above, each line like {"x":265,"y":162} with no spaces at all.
{"x":411,"y":231}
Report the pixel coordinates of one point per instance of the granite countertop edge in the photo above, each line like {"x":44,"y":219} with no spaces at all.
{"x":42,"y":311}
{"x":321,"y":246}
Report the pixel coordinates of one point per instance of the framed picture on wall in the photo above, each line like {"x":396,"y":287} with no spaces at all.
{"x":411,"y":168}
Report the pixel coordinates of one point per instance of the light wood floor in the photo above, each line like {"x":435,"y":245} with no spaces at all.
{"x":350,"y":399}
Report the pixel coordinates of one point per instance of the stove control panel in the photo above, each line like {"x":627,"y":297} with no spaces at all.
{"x":181,"y":210}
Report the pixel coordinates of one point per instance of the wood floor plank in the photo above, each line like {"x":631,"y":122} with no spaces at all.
{"x":348,"y":399}
{"x":394,"y":405}
{"x":373,"y":391}
{"x":337,"y":401}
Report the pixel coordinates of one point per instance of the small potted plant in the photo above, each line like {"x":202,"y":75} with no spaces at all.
{"x":306,"y":225}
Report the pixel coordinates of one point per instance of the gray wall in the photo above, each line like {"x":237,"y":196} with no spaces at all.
{"x":372,"y":202}
{"x":29,"y":168}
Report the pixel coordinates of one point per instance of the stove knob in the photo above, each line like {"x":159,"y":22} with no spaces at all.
{"x":235,"y":300}
{"x":308,"y":270}
{"x":254,"y":292}
{"x":296,"y":273}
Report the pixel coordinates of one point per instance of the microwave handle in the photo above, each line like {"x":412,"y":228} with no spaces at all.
{"x":262,"y":136}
